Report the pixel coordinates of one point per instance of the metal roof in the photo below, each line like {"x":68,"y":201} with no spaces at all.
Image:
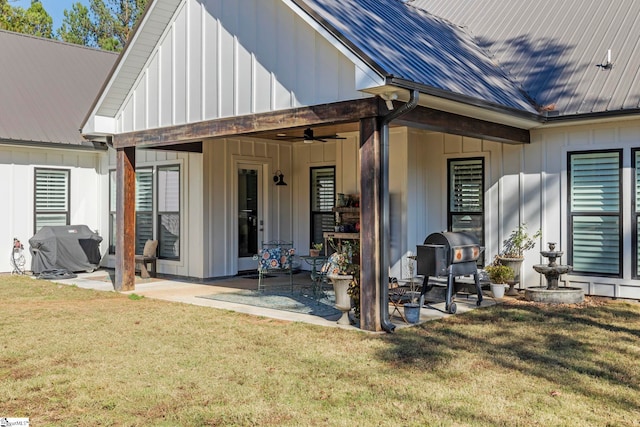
{"x":556,"y":49}
{"x":47,"y":88}
{"x":408,"y":43}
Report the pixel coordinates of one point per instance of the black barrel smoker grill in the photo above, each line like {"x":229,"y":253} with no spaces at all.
{"x":449,"y":254}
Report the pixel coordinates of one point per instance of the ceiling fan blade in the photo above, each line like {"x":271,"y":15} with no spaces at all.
{"x":309,"y":136}
{"x":334,"y":136}
{"x":290,"y":138}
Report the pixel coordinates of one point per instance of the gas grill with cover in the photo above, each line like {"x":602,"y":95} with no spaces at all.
{"x":449,"y":254}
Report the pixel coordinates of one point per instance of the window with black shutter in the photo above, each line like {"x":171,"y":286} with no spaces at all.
{"x":159,"y":198}
{"x":51,"y":197}
{"x":595,"y":212}
{"x":323,"y":196}
{"x":466,"y":197}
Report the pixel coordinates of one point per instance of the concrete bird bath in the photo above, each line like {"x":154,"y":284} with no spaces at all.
{"x":552,"y":293}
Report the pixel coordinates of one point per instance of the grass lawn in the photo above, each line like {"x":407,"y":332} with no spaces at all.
{"x":76,"y":357}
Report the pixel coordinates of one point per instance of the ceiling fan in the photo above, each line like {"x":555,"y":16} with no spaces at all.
{"x":308,"y":137}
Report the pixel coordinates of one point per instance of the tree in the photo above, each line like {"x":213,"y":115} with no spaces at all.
{"x":35,"y":20}
{"x":76,"y":25}
{"x":107,"y":24}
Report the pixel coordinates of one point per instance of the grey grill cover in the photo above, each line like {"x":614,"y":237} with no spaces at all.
{"x":71,"y":247}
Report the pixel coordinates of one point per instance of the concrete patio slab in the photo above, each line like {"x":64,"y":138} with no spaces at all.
{"x":190,"y":292}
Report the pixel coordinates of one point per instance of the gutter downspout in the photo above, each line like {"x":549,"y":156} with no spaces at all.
{"x":385,"y":323}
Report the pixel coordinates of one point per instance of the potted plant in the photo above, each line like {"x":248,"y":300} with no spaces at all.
{"x":315,"y":249}
{"x":412,"y":308}
{"x":499,"y":276}
{"x":512,"y":254}
{"x":339,"y":269}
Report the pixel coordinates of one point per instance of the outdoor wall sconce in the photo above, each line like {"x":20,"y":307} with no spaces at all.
{"x":278,"y":178}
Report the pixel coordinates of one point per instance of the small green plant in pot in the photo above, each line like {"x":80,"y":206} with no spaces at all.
{"x":513,"y":249}
{"x":499,"y":276}
{"x":518,"y":242}
{"x":315,"y":249}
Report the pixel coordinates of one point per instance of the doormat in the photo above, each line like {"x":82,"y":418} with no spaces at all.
{"x":285,"y":301}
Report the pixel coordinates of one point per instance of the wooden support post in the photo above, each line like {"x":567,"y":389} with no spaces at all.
{"x":370,"y":217}
{"x":125,"y":219}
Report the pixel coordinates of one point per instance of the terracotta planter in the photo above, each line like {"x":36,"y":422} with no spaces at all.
{"x":314,"y":252}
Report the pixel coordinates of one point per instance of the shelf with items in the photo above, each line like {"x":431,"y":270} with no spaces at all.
{"x":347,"y":219}
{"x":337,"y":239}
{"x":347,"y":227}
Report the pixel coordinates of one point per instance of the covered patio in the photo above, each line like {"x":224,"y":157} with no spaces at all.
{"x":371,"y":117}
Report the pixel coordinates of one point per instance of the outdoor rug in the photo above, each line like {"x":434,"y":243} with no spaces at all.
{"x":280,"y":300}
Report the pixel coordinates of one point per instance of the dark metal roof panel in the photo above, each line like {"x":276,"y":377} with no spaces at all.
{"x":555,"y":49}
{"x":47,"y":87}
{"x":409,"y":43}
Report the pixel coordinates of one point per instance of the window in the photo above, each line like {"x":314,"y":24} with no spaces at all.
{"x":169,"y":211}
{"x":636,"y":213}
{"x":466,"y":197}
{"x":323,"y":196}
{"x":166,"y":228}
{"x":144,"y":208}
{"x":112,"y":212}
{"x":51,"y":197}
{"x":594,"y":212}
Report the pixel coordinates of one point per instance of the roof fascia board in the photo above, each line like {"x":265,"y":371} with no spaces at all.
{"x":368,"y":74}
{"x":83,"y":146}
{"x":467,"y":100}
{"x":460,"y":108}
{"x":109,"y":81}
{"x":592,"y":118}
{"x":100,"y":126}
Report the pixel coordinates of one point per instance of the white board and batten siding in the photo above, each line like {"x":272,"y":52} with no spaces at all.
{"x":523,"y":184}
{"x":229,"y":58}
{"x":549,"y":153}
{"x":418,"y":188}
{"x":191,"y":259}
{"x":344,"y":155}
{"x":17,"y":173}
{"x":220,"y":160}
{"x":287,"y":208}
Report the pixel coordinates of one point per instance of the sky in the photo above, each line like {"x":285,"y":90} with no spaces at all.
{"x":55,"y":8}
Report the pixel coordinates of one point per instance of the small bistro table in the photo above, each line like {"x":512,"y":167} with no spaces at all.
{"x":317,"y":276}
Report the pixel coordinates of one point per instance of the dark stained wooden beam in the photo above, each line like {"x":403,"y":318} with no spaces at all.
{"x":339,"y":112}
{"x":125,"y":219}
{"x":441,"y":121}
{"x":188,"y":147}
{"x":370,"y":216}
